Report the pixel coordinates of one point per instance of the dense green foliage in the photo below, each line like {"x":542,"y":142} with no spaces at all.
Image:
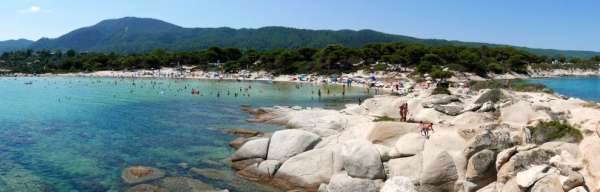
{"x":441,"y":88}
{"x":330,"y":59}
{"x":511,"y":84}
{"x":553,"y":131}
{"x":140,"y":35}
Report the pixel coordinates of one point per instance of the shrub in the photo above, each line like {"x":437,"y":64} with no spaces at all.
{"x":441,"y":88}
{"x":383,"y":118}
{"x":493,"y":95}
{"x":554,"y":131}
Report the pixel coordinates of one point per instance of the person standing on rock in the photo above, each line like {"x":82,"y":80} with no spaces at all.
{"x":425,"y":128}
{"x":403,"y":112}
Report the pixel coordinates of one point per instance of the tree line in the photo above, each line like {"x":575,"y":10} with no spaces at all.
{"x":327,"y":60}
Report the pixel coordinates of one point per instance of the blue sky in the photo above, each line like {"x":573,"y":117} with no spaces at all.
{"x":560,"y":24}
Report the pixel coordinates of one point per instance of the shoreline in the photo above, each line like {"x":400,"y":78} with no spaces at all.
{"x":383,"y":153}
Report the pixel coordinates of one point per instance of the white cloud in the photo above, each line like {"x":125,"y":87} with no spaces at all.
{"x":34,"y":9}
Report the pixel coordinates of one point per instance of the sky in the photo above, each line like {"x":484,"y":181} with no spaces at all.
{"x":558,"y":24}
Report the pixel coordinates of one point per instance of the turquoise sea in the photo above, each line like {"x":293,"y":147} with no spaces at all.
{"x":78,"y":134}
{"x":587,"y":88}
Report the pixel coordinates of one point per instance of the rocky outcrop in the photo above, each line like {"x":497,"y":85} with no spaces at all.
{"x":480,"y":167}
{"x":361,"y":159}
{"x":344,"y":183}
{"x":252,"y":149}
{"x":308,"y":170}
{"x":452,"y":110}
{"x":440,"y":174}
{"x":288,"y":143}
{"x":398,"y":184}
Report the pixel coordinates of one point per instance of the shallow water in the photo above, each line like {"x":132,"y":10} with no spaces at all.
{"x":78,"y":134}
{"x":587,"y":88}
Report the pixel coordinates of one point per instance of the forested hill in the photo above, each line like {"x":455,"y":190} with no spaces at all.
{"x":137,"y":35}
{"x":11,"y":45}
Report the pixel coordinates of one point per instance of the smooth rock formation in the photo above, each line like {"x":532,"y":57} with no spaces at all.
{"x":410,"y":144}
{"x":440,"y":174}
{"x":550,"y":183}
{"x":344,"y":183}
{"x":409,"y":167}
{"x":452,"y":110}
{"x":252,"y":149}
{"x":307,"y":170}
{"x":361,"y":159}
{"x":288,"y":143}
{"x":480,"y":166}
{"x":398,"y":184}
{"x":527,"y":178}
{"x":140,"y":174}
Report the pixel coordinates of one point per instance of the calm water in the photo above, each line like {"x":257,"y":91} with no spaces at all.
{"x":587,"y":88}
{"x":78,"y":134}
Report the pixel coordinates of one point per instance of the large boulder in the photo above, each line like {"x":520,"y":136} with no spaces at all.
{"x":410,"y":144}
{"x":527,"y":178}
{"x":452,"y":110}
{"x":510,"y":186}
{"x":384,"y":132}
{"x":573,"y":180}
{"x":288,"y":143}
{"x":439,"y":174}
{"x":140,"y":174}
{"x":261,"y":171}
{"x":495,"y":138}
{"x":440,"y":99}
{"x":522,"y":161}
{"x":480,"y":167}
{"x":308,"y":170}
{"x":548,"y":183}
{"x":520,"y":114}
{"x":361,"y":159}
{"x":252,"y":149}
{"x":398,"y":184}
{"x":409,"y":167}
{"x":344,"y":183}
{"x":590,"y":148}
{"x":504,"y":156}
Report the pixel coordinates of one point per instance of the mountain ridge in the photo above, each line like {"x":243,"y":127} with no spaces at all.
{"x":136,"y":35}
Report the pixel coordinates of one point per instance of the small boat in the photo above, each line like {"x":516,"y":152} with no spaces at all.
{"x":28,"y":83}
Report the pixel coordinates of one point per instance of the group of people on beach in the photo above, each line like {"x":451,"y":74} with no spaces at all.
{"x":426,"y":127}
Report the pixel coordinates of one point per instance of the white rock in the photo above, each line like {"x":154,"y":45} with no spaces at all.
{"x":287,"y":143}
{"x":362,"y":160}
{"x":344,"y":183}
{"x":527,"y":178}
{"x":398,"y":184}
{"x":410,"y":144}
{"x":256,"y":148}
{"x":309,"y":169}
